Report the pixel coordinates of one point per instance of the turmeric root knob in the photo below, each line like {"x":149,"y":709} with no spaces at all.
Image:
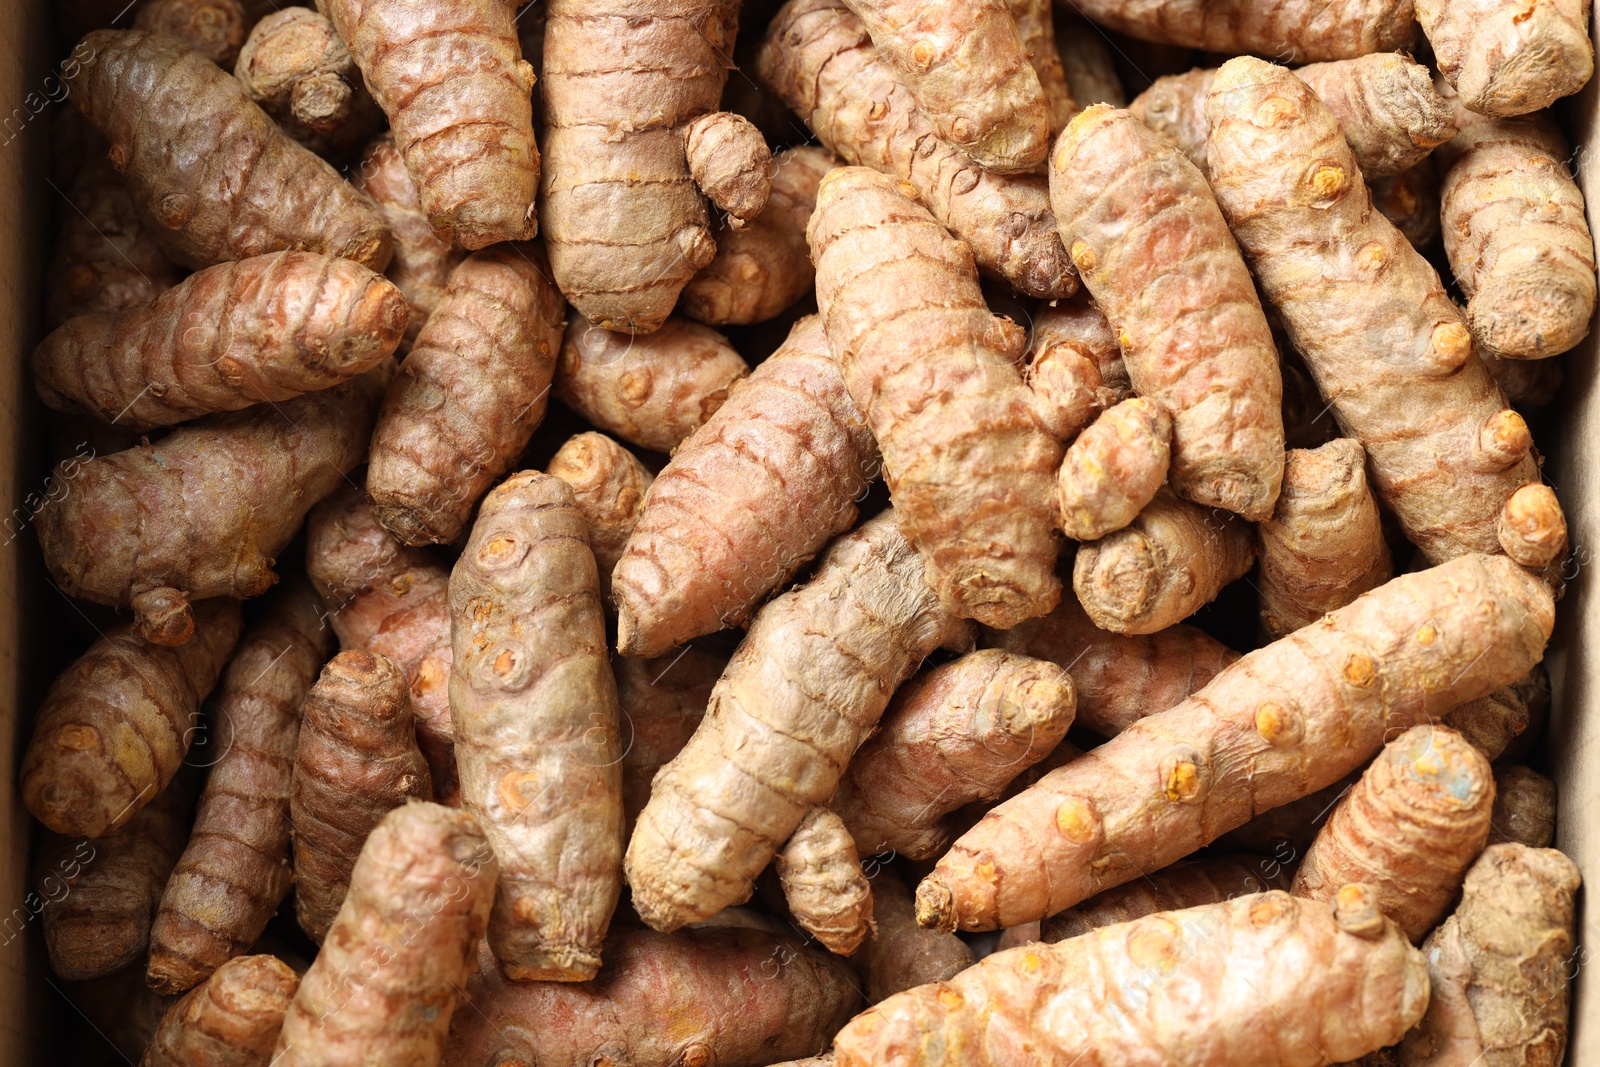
{"x":823,"y":883}
{"x":1532,"y":527}
{"x":1113,"y":469}
{"x":730,"y":162}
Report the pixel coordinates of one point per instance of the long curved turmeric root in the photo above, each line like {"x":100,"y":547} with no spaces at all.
{"x":1510,"y":58}
{"x":1185,"y":884}
{"x":230,"y":1021}
{"x":1301,"y":31}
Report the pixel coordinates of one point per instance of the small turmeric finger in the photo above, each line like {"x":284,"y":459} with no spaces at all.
{"x":1185,"y":884}
{"x":608,"y":484}
{"x":1532,"y":527}
{"x":823,"y":883}
{"x":1112,"y":471}
{"x":1037,"y":31}
{"x":1510,"y":58}
{"x":230,"y":1021}
{"x":1524,"y":808}
{"x":730,"y":162}
{"x":296,"y":67}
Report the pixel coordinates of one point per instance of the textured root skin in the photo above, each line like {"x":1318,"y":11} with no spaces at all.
{"x":823,"y":883}
{"x":1524,"y":808}
{"x":1532,"y":528}
{"x":235,"y":870}
{"x":736,"y":998}
{"x":1323,"y":545}
{"x":1515,"y":233}
{"x":230,"y":1021}
{"x":650,"y":391}
{"x":625,"y":224}
{"x":357,"y":760}
{"x":468,"y":397}
{"x":388,"y":977}
{"x":1490,"y":723}
{"x":296,"y":67}
{"x":537,"y":727}
{"x":951,"y":736}
{"x":1169,"y":562}
{"x":1408,"y":829}
{"x":1150,"y":244}
{"x":96,"y":898}
{"x":608,"y":484}
{"x":1376,"y":328}
{"x":214,"y":28}
{"x":747,"y":499}
{"x":730,"y":162}
{"x":1112,"y":471}
{"x":662,"y":701}
{"x":115,"y":726}
{"x":964,"y":64}
{"x":1410,"y":200}
{"x":805,"y":688}
{"x":1036,"y":29}
{"x":1185,"y":884}
{"x":1264,"y":981}
{"x":818,"y":57}
{"x":452,"y":80}
{"x":385,"y":598}
{"x":265,"y":329}
{"x":1086,"y":61}
{"x":1075,"y":368}
{"x":1175,"y":107}
{"x":1510,"y":59}
{"x":1501,"y":965}
{"x":1295,"y":716}
{"x":1119,"y":678}
{"x":764,"y":266}
{"x":901,"y":955}
{"x":968,"y":466}
{"x":1299,"y":30}
{"x":146,"y":92}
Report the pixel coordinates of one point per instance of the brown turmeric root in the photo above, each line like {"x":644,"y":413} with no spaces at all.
{"x":1265,"y":980}
{"x":1385,"y":344}
{"x":1296,"y":716}
{"x":818,"y":57}
{"x":730,"y":162}
{"x":1086,"y":61}
{"x":468,"y":397}
{"x":1112,"y":471}
{"x":968,"y":466}
{"x":1410,"y":200}
{"x":1524,"y":808}
{"x":956,"y":734}
{"x":235,"y":870}
{"x":1510,"y":58}
{"x":357,"y":760}
{"x":116,"y":725}
{"x":452,"y":80}
{"x":536,"y":725}
{"x":230,"y":1021}
{"x":1527,"y":383}
{"x":900,"y":954}
{"x":662,"y":701}
{"x":805,"y":688}
{"x":1185,"y":884}
{"x":650,"y":391}
{"x":386,"y":982}
{"x":1491,"y":722}
{"x":746,"y":500}
{"x":608,"y":484}
{"x":1297,"y":30}
{"x":296,"y":67}
{"x":262,"y":330}
{"x":1036,"y":29}
{"x":214,"y":28}
{"x":252,"y":190}
{"x":823,"y":883}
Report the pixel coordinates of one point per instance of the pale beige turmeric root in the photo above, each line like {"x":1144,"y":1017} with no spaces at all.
{"x":662,"y":701}
{"x":951,"y":736}
{"x":1148,"y":239}
{"x":261,"y":330}
{"x":252,"y":190}
{"x":1510,"y":58}
{"x":1037,"y":32}
{"x":536,"y":725}
{"x":1501,"y":966}
{"x":805,"y":688}
{"x":1075,"y":369}
{"x":1263,"y":981}
{"x":730,"y":162}
{"x":386,"y":982}
{"x":214,"y":28}
{"x":295,"y":66}
{"x":1532,"y":528}
{"x":1378,"y":331}
{"x":1410,"y":200}
{"x":650,"y":391}
{"x":901,"y":954}
{"x":1185,"y":884}
{"x":1524,"y":808}
{"x":1112,"y":471}
{"x":934,"y":373}
{"x":1086,"y":60}
{"x":1295,"y":716}
{"x":1297,"y":31}
{"x":231,"y":1021}
{"x":608,"y":484}
{"x":115,"y":726}
{"x":235,"y":870}
{"x":823,"y":883}
{"x":452,"y":80}
{"x":818,"y":57}
{"x":747,"y":499}
{"x":468,"y":397}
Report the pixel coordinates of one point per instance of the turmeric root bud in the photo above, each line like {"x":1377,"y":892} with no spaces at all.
{"x":214,"y":28}
{"x":730,"y":162}
{"x":230,"y":1021}
{"x":1532,"y":527}
{"x":823,"y":883}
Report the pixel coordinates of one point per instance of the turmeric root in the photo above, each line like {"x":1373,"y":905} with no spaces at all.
{"x":214,"y":28}
{"x":230,"y":1021}
{"x":536,"y":725}
{"x":1185,"y":884}
{"x":662,"y":701}
{"x":968,"y":466}
{"x":1501,"y":966}
{"x":823,"y":884}
{"x":1323,"y":545}
{"x":452,"y":80}
{"x":1527,"y":383}
{"x":650,"y":391}
{"x":608,"y":484}
{"x":1112,"y":471}
{"x":730,"y":162}
{"x":468,"y":397}
{"x":235,"y":870}
{"x":1510,"y":58}
{"x":1532,"y":528}
{"x":1037,"y":32}
{"x":1410,"y":200}
{"x":1385,"y":344}
{"x":900,"y":954}
{"x":1086,"y":61}
{"x":116,"y":725}
{"x":1119,"y":191}
{"x":1301,"y":32}
{"x":805,"y":688}
{"x":746,"y":500}
{"x":1408,"y":829}
{"x":818,"y":57}
{"x":1265,"y":981}
{"x":1075,"y":369}
{"x":1515,"y":233}
{"x":1524,"y":808}
{"x":1491,"y":722}
{"x":763,"y":267}
{"x":261,"y":330}
{"x":296,"y":67}
{"x":251,"y":190}
{"x":357,"y":760}
{"x":736,"y":998}
{"x":387,"y":980}
{"x":1295,"y":716}
{"x":956,"y":734}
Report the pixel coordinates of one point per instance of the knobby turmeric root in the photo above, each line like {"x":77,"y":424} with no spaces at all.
{"x":296,"y":67}
{"x":214,"y":28}
{"x":1075,"y":369}
{"x":1299,"y":31}
{"x":1510,"y":58}
{"x":1185,"y":884}
{"x":231,"y":1021}
{"x":608,"y":484}
{"x":823,"y":883}
{"x":1113,"y":470}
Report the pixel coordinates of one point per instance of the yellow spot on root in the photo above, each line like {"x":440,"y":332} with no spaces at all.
{"x":1359,"y":670}
{"x":1427,"y":635}
{"x":1030,"y":963}
{"x":949,"y":999}
{"x":505,"y":662}
{"x":697,"y":1055}
{"x":634,"y":386}
{"x":1183,"y":781}
{"x":430,"y":676}
{"x":1269,"y":909}
{"x":1275,"y":111}
{"x":985,"y":870}
{"x":1154,"y":944}
{"x":923,"y":53}
{"x":1372,"y":258}
{"x":1453,"y":341}
{"x":1276,"y":724}
{"x":1327,"y":181}
{"x":77,"y":738}
{"x":1083,"y":257}
{"x":512,"y":787}
{"x":401,"y":585}
{"x":1076,"y":820}
{"x":497,"y":550}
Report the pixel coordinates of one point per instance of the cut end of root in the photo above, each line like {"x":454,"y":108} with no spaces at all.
{"x":1355,"y":909}
{"x":163,"y":617}
{"x":936,"y":906}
